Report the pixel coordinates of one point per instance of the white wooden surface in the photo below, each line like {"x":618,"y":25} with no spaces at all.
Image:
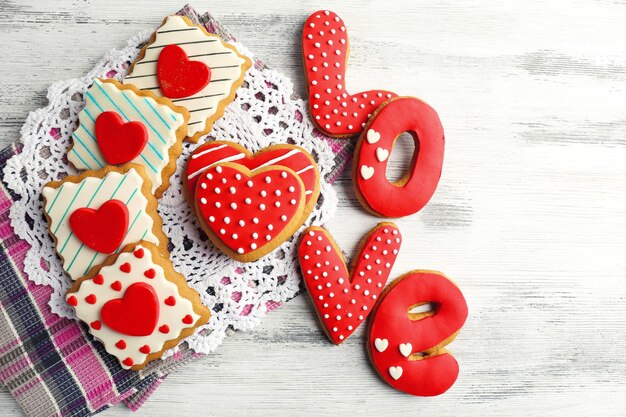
{"x":529,"y":217}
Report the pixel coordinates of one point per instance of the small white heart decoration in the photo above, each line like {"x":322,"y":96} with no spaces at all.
{"x":395,"y":372}
{"x":381,"y":344}
{"x":373,"y":136}
{"x":367,"y":172}
{"x":406,"y":349}
{"x":382,"y":154}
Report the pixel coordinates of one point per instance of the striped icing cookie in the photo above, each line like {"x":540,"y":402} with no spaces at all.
{"x":194,"y":68}
{"x":121,"y":124}
{"x":94,"y":214}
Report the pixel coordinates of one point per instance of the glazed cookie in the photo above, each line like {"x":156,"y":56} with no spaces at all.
{"x":137,"y":305}
{"x":290,"y":156}
{"x":248,"y":214}
{"x":411,"y":193}
{"x":344,"y":298}
{"x":94,"y":214}
{"x":407,"y":346}
{"x":121,"y":124}
{"x":325,"y":54}
{"x":192,"y":67}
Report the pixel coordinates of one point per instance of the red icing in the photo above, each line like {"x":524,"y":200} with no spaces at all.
{"x":117,"y":286}
{"x":331,"y":285}
{"x":405,"y":114}
{"x":121,"y":344}
{"x":165,"y":329}
{"x":178,"y":76}
{"x":102,"y":230}
{"x":150,"y":273}
{"x":125,"y":267}
{"x":325,"y":51}
{"x":145,"y":349}
{"x":98,"y":279}
{"x":119,"y":142}
{"x":135,"y":314}
{"x":96,"y":324}
{"x":188,"y":319}
{"x":170,"y":301}
{"x":91,"y":299}
{"x":128,"y":362}
{"x":71,"y":300}
{"x":138,"y":253}
{"x":258,"y":210}
{"x":437,"y":372}
{"x":284,"y":155}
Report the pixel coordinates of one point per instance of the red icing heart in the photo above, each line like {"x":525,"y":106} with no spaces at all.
{"x":71,"y":300}
{"x":246,"y":212}
{"x":145,"y":349}
{"x":102,"y":230}
{"x":325,"y":50}
{"x":119,"y":142}
{"x":135,"y":314}
{"x":288,"y":156}
{"x":178,"y":76}
{"x":344,"y":299}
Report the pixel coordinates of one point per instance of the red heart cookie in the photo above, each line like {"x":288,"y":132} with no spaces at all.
{"x":178,"y":76}
{"x":290,"y":156}
{"x":119,"y":142}
{"x":325,"y":52}
{"x":248,"y":214}
{"x":136,"y":314}
{"x":342,"y":298}
{"x":104,"y":229}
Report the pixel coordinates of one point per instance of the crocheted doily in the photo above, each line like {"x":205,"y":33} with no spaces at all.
{"x":265,"y":112}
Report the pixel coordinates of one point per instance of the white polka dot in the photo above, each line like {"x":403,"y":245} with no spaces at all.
{"x":326,"y":316}
{"x":242,"y":223}
{"x":283,"y":174}
{"x":249,"y":183}
{"x":248,"y":200}
{"x":277,"y":204}
{"x":203,"y":200}
{"x":387,"y":265}
{"x":235,"y":236}
{"x":268,"y":237}
{"x":292,"y":202}
{"x":338,"y":318}
{"x":232,"y":190}
{"x":233,"y":206}
{"x":292,"y":189}
{"x":312,"y":24}
{"x":350,"y":127}
{"x":353,"y":301}
{"x":209,"y":176}
{"x":318,"y":252}
{"x":309,"y":36}
{"x":314,"y":69}
{"x":321,"y":297}
{"x":253,"y":246}
{"x":331,"y":295}
{"x":324,"y":274}
{"x":366,"y":292}
{"x":218,"y":204}
{"x":340,"y":281}
{"x":283,"y":217}
{"x":395,"y":251}
{"x":335,"y":329}
{"x":345,"y":290}
{"x":203,"y":185}
{"x":237,"y":177}
{"x":262,"y":206}
{"x":227,"y":220}
{"x":217,"y":190}
{"x":255,"y":235}
{"x":360,"y":317}
{"x":364,"y":308}
{"x":255,"y":220}
{"x":378,"y":239}
{"x":263,"y":193}
{"x":357,"y":287}
{"x":218,"y":169}
{"x":270,"y":227}
{"x":336,"y":268}
{"x":240,"y":250}
{"x":328,"y":285}
{"x":211,"y":219}
{"x":317,"y":44}
{"x":379,"y":285}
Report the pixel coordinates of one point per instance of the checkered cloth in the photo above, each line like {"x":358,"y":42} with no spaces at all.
{"x":51,"y":365}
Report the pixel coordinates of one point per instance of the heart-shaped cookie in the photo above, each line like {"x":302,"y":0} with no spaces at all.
{"x":325,"y":54}
{"x":135,"y":314}
{"x":119,"y":142}
{"x":248,"y":214}
{"x":290,"y":156}
{"x":342,"y":298}
{"x":178,"y":76}
{"x":102,"y":230}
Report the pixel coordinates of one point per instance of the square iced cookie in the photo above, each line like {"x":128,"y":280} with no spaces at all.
{"x":96,"y":213}
{"x":137,"y":305}
{"x":121,"y":124}
{"x":193,"y":68}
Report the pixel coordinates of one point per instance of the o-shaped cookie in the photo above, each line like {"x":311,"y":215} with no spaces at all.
{"x":407,"y":347}
{"x":411,"y":193}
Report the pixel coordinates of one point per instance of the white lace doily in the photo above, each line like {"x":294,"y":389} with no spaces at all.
{"x":239,"y":295}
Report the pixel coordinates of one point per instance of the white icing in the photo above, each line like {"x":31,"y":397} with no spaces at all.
{"x":92,"y":192}
{"x":161,"y":123}
{"x":366,"y":172}
{"x":170,"y":315}
{"x":380,"y":344}
{"x":372,"y":135}
{"x":382,"y":154}
{"x":225,"y":64}
{"x":395,"y":372}
{"x":406,"y":349}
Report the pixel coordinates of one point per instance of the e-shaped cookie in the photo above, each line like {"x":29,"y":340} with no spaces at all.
{"x":192,"y":67}
{"x":343,"y":298}
{"x":137,"y":305}
{"x":96,"y":213}
{"x":121,"y":124}
{"x":325,"y":49}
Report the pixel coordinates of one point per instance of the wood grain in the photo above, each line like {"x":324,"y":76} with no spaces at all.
{"x":529,"y":217}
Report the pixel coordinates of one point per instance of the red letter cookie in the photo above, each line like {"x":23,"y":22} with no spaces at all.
{"x":407,"y":348}
{"x":289,"y":156}
{"x":411,"y":193}
{"x":325,"y":53}
{"x":137,"y":305}
{"x":342,"y":298}
{"x":248,"y":214}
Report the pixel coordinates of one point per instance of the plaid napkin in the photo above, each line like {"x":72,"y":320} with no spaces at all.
{"x":51,"y":365}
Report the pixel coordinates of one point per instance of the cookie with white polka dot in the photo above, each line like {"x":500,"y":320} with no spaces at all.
{"x":343,"y":298}
{"x":247,"y":214}
{"x":325,"y":49}
{"x":137,"y":305}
